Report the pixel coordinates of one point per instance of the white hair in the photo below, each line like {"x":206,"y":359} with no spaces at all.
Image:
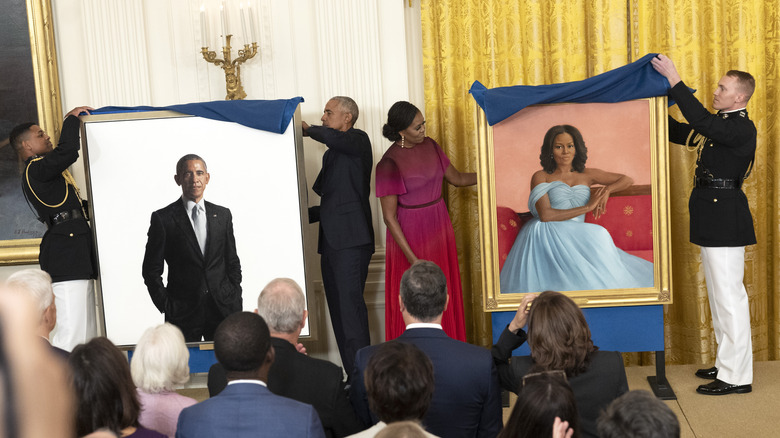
{"x":281,"y":304}
{"x":35,"y":283}
{"x":160,"y":360}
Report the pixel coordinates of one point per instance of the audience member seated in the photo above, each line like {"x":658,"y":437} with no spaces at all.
{"x":403,"y":429}
{"x":545,"y":405}
{"x":159,"y":363}
{"x":467,"y":397}
{"x":399,"y":383}
{"x":105,"y":392}
{"x":35,"y":398}
{"x":37,"y":284}
{"x":246,"y":408}
{"x":293,"y":374}
{"x":638,"y":414}
{"x":559,"y":339}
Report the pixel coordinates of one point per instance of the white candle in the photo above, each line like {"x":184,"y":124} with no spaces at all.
{"x":244,"y":35}
{"x":252,"y":22}
{"x":203,"y":33}
{"x":224,"y":23}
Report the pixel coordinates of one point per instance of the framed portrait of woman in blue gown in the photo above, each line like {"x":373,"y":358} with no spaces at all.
{"x":573,"y":198}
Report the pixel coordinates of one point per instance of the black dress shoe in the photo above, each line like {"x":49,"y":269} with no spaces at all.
{"x":719,"y":387}
{"x":707,"y":373}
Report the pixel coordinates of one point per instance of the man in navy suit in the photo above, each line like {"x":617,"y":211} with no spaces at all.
{"x":195,"y":238}
{"x":346,"y":239}
{"x":467,"y":397}
{"x":246,"y":408}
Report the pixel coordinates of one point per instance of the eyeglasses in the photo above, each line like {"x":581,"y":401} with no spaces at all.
{"x":553,"y":373}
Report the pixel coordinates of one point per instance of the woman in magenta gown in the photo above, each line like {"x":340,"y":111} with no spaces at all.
{"x":409,"y":184}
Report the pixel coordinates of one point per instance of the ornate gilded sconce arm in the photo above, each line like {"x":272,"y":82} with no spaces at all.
{"x":232,"y":67}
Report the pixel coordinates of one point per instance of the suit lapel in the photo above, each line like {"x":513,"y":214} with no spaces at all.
{"x":182,"y":220}
{"x":212,"y":227}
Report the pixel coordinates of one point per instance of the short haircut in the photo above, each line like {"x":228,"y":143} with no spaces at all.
{"x":160,"y":360}
{"x":281,"y":304}
{"x":746,"y":81}
{"x":19,"y":134}
{"x":242,"y":341}
{"x":348,"y":105}
{"x":36,"y":283}
{"x":399,"y":117}
{"x":402,"y":429}
{"x":542,"y":398}
{"x":399,"y":382}
{"x":638,"y":414}
{"x":546,"y":156}
{"x":189,"y":157}
{"x":105,"y":393}
{"x":424,"y":290}
{"x":558,"y":335}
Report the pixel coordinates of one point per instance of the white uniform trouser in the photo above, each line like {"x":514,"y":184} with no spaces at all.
{"x":75,"y":302}
{"x":724,"y":269}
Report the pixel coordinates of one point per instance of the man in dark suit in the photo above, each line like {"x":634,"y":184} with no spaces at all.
{"x":721,"y":223}
{"x":195,"y":238}
{"x":467,"y":397}
{"x":346,"y":239}
{"x":246,"y":408}
{"x":36,"y":284}
{"x":66,"y":248}
{"x":294,"y":374}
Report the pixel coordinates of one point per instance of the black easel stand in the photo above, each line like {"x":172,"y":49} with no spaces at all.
{"x":661,"y":387}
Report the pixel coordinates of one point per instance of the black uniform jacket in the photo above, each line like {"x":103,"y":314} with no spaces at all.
{"x":719,"y":217}
{"x":66,"y":248}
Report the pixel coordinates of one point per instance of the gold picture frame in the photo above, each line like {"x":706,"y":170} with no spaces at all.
{"x":47,"y":94}
{"x":656,"y":126}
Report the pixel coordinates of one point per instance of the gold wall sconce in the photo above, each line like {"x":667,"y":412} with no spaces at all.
{"x":232,"y":67}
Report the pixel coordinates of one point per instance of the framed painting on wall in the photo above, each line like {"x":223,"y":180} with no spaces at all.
{"x":29,"y":90}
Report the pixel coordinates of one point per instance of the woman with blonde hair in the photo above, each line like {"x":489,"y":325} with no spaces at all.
{"x":159,"y":363}
{"x":559,"y":339}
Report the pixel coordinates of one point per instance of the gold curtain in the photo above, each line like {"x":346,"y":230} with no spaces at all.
{"x":538,"y":42}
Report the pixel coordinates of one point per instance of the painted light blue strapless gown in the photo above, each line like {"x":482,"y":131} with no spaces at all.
{"x":569,"y":255}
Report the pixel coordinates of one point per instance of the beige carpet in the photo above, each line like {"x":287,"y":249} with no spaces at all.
{"x":754,"y":415}
{"x":735,"y":415}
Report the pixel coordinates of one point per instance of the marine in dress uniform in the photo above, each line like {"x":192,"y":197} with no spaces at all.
{"x":720,"y":219}
{"x":66,"y":251}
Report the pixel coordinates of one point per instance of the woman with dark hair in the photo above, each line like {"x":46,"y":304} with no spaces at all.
{"x":399,"y":386}
{"x":559,"y":339}
{"x":557,"y":249}
{"x":544,"y":401}
{"x":106,"y":396}
{"x":409,"y":185}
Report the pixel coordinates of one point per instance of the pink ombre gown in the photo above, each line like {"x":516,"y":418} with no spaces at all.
{"x":416,"y":175}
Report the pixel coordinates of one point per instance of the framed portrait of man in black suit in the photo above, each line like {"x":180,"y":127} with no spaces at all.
{"x":256,"y":193}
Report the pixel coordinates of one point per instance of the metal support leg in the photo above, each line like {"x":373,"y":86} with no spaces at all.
{"x":658,"y":383}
